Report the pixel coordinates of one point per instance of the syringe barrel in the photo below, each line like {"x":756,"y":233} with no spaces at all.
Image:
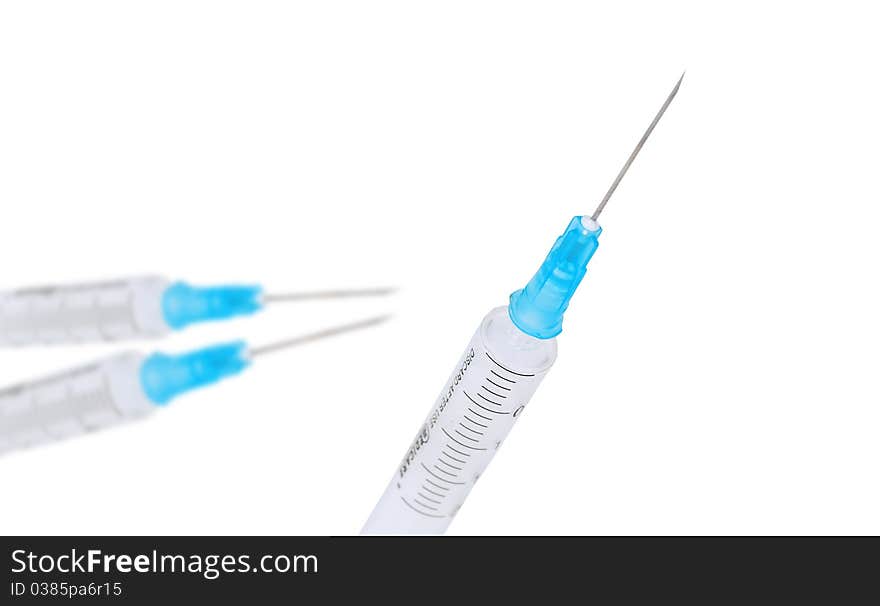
{"x":73,"y":402}
{"x":76,"y":313}
{"x":486,"y":394}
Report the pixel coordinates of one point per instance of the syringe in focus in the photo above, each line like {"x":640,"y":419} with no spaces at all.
{"x":133,"y":308}
{"x":125,"y":387}
{"x":511,"y":352}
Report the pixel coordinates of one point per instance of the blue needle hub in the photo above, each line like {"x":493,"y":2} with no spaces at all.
{"x":183,"y":304}
{"x":164,"y":377}
{"x":537,"y":309}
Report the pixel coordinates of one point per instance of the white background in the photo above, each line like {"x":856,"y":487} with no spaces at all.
{"x":718,"y":372}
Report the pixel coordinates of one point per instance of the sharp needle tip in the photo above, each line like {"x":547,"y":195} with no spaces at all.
{"x":636,"y":151}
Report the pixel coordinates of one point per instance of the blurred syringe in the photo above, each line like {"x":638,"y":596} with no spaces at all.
{"x":134,"y":308}
{"x":126,"y":386}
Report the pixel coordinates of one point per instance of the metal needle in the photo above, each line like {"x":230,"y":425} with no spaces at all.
{"x":315,"y":336}
{"x":636,"y":151}
{"x":326,"y":294}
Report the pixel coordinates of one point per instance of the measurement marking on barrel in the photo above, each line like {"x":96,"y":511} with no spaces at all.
{"x":437,"y":494}
{"x":479,"y":395}
{"x":464,"y":454}
{"x":470,"y":420}
{"x":479,"y":415}
{"x":463,"y":426}
{"x":428,"y":499}
{"x":483,"y":407}
{"x":519,"y":374}
{"x":497,"y":385}
{"x":451,"y":466}
{"x":448,"y":435}
{"x":451,"y":475}
{"x":427,"y":515}
{"x":446,"y":454}
{"x":435,"y":485}
{"x":425,"y":505}
{"x":494,"y":412}
{"x":497,"y":395}
{"x":502,"y":378}
{"x":474,"y":440}
{"x":425,"y":467}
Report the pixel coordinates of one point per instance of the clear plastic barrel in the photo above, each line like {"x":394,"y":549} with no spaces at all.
{"x":87,"y":312}
{"x":72,"y":402}
{"x":486,"y":394}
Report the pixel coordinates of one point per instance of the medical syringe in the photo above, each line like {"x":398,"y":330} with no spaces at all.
{"x":132,"y":308}
{"x":125,"y":387}
{"x":511,"y":352}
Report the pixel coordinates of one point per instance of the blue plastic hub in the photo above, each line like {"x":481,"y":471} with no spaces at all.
{"x":164,"y":377}
{"x":183,"y":305}
{"x":538,"y":308}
